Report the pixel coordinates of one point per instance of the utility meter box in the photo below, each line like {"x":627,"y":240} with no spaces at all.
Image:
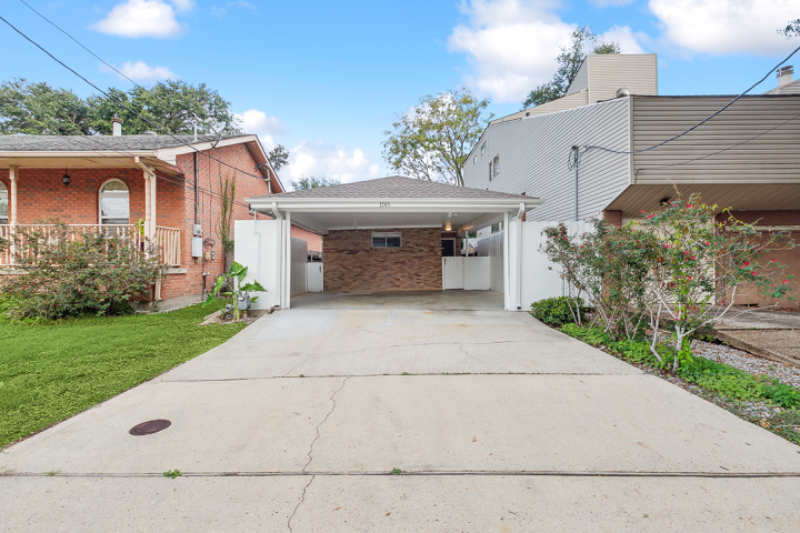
{"x":197,"y":240}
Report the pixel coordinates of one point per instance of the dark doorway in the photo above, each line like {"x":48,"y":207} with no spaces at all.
{"x":448,"y":247}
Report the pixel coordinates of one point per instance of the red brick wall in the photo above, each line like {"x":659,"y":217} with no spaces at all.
{"x":41,"y":194}
{"x":314,"y":241}
{"x":351,"y":264}
{"x":790,"y":258}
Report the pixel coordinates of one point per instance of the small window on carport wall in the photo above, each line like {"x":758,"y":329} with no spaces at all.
{"x":385,"y":240}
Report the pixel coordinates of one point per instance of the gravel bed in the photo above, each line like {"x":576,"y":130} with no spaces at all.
{"x":744,"y":361}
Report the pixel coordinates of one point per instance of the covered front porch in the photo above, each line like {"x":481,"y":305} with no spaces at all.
{"x":112,"y":197}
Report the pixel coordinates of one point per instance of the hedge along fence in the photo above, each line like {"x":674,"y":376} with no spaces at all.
{"x":66,"y":271}
{"x":678,"y":264}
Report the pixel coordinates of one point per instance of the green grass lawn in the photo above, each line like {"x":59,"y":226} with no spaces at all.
{"x":49,"y":372}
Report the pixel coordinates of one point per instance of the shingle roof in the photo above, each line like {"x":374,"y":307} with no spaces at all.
{"x":397,"y":187}
{"x":78,"y":143}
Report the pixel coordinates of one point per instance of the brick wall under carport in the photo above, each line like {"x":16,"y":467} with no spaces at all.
{"x":351,"y":264}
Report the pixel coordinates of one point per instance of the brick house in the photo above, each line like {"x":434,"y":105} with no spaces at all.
{"x":170,"y":184}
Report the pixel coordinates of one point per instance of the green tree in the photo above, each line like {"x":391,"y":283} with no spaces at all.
{"x":432,"y":141}
{"x":569,"y":63}
{"x":39,"y":108}
{"x":169,"y":105}
{"x":304,"y":183}
{"x":279,"y":157}
{"x":792,"y":29}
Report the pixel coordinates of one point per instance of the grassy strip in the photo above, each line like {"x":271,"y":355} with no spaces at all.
{"x":710,"y":375}
{"x":49,"y":372}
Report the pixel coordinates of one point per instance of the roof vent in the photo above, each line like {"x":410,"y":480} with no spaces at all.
{"x":148,"y":132}
{"x":623,"y":92}
{"x":785,"y":75}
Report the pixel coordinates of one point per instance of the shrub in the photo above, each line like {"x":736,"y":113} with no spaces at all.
{"x":559,"y":311}
{"x":67,"y":272}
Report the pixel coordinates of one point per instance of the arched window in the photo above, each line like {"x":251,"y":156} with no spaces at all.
{"x":114,"y":203}
{"x":3,"y":204}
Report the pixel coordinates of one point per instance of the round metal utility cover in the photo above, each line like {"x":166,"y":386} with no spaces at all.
{"x":150,"y":427}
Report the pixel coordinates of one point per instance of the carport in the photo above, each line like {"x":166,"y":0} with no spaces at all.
{"x":388,"y":234}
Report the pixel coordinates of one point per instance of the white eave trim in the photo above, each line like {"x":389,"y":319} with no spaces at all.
{"x":389,"y":205}
{"x":170,"y":154}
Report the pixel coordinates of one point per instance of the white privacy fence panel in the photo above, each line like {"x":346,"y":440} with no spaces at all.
{"x":452,"y":273}
{"x":492,"y":248}
{"x":256,"y":246}
{"x":537,"y":280}
{"x":314,"y":277}
{"x":477,"y":273}
{"x":298,"y":266}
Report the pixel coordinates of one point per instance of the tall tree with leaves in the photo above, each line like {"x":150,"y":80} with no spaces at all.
{"x":38,"y":108}
{"x":792,"y":29}
{"x":569,"y":63}
{"x":279,"y":157}
{"x":304,"y":183}
{"x":432,"y":141}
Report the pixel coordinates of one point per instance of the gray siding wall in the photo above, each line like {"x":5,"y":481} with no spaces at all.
{"x":773,"y":157}
{"x":533,"y":159}
{"x":581,"y":81}
{"x":610,"y":72}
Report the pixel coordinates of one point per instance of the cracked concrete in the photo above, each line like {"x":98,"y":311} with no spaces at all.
{"x":501,"y":424}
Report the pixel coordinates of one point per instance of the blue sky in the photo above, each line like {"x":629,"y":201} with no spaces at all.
{"x":326,"y":79}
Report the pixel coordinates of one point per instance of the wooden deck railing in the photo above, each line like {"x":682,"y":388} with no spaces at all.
{"x":168,"y":240}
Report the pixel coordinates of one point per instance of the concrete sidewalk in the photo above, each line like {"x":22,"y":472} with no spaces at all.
{"x":501,"y":424}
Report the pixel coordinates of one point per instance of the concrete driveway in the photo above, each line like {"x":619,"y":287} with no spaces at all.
{"x":496,"y":423}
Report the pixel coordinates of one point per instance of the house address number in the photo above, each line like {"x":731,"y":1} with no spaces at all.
{"x":386,"y":204}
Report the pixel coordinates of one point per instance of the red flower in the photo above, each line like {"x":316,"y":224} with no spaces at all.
{"x":785,"y":282}
{"x":692,"y":258}
{"x":707,"y":243}
{"x":772,"y":260}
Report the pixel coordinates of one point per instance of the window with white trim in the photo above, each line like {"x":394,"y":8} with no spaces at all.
{"x":496,"y":166}
{"x":483,"y":148}
{"x":385,"y":240}
{"x":114,"y":203}
{"x":3,"y":204}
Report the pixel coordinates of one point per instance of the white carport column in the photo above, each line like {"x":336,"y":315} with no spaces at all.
{"x":286,"y":291}
{"x":518,"y":261}
{"x":506,"y":266}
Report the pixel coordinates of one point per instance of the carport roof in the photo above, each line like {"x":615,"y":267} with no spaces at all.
{"x":396,"y":187}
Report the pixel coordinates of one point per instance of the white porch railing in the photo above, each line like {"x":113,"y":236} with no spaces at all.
{"x":168,"y":240}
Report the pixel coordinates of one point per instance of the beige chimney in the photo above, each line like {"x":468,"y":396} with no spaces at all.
{"x":116,"y":127}
{"x":785,"y":75}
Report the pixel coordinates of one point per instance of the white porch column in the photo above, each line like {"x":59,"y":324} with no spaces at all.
{"x":506,"y":266}
{"x":518,"y":262}
{"x":147,"y":206}
{"x":13,"y":174}
{"x":153,"y":211}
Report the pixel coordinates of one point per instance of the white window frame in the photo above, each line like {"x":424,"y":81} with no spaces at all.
{"x":4,"y":194}
{"x":100,"y":200}
{"x":385,"y":236}
{"x":495,"y":166}
{"x":483,"y":148}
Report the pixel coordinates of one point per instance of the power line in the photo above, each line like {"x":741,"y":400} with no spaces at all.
{"x":717,"y":112}
{"x":118,"y":102}
{"x":56,"y":26}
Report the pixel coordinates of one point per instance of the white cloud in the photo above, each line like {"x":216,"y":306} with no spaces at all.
{"x":141,"y":72}
{"x":144,"y":18}
{"x":268,"y":128}
{"x":726,"y":26}
{"x":318,"y":158}
{"x":628,"y":40}
{"x":512,"y":44}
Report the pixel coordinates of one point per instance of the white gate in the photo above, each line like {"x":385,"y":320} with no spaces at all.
{"x":452,"y":273}
{"x":468,"y":273}
{"x":313,"y":277}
